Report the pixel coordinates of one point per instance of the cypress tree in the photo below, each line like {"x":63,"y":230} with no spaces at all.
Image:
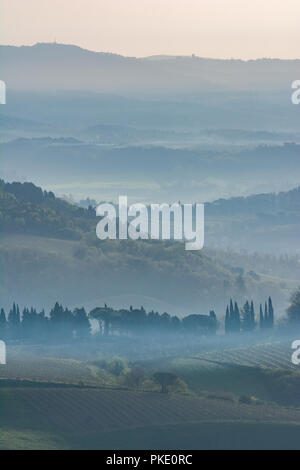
{"x":81,"y":324}
{"x":56,"y":321}
{"x":252,"y":316}
{"x":266,"y":316}
{"x":237,"y":318}
{"x":14,"y":322}
{"x":247,"y":323}
{"x":3,"y":325}
{"x":261,"y":317}
{"x":271,"y":313}
{"x":231,"y":315}
{"x":26,"y":323}
{"x":231,"y":309}
{"x":18,"y":316}
{"x":227,"y":321}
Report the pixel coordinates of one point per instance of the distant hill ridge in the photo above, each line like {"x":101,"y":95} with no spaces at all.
{"x":32,"y":67}
{"x":268,"y":202}
{"x":27,"y":208}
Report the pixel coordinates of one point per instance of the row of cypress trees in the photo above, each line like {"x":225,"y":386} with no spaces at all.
{"x":245,"y":319}
{"x":62,"y":324}
{"x":65,"y":325}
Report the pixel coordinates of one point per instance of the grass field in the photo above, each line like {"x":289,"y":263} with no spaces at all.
{"x":59,"y":402}
{"x":207,"y":436}
{"x":11,"y":439}
{"x":75,"y":418}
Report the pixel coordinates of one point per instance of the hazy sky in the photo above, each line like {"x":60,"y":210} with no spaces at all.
{"x":214,"y":28}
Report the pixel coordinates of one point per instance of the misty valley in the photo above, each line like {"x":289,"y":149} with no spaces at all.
{"x":132,"y":341}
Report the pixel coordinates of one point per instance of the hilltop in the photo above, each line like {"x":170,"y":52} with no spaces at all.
{"x":78,"y":69}
{"x":27,"y":209}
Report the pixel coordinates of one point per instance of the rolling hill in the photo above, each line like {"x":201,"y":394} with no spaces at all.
{"x":96,"y":419}
{"x":78,"y":411}
{"x":149,"y":173}
{"x":77,"y":68}
{"x":50,"y":252}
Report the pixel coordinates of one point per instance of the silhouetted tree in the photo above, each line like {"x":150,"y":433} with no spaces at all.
{"x":236,"y":319}
{"x":232,"y":318}
{"x":271,"y":313}
{"x":28,"y":323}
{"x":266,"y":316}
{"x":261,"y":318}
{"x":248,"y":322}
{"x":14,"y":322}
{"x":237,"y":312}
{"x":82,"y":325}
{"x":103,"y":315}
{"x":3,"y":325}
{"x":231,"y":309}
{"x":165,"y":379}
{"x":212,"y":328}
{"x":227,"y":321}
{"x":62,"y":323}
{"x":252,"y":314}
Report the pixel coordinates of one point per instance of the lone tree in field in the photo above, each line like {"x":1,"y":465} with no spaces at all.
{"x":293,"y":312}
{"x":165,"y":379}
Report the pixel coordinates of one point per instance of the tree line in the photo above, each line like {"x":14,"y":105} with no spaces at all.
{"x":65,"y":325}
{"x":237,"y":320}
{"x":62,"y":324}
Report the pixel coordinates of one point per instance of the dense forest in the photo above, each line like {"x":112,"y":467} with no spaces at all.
{"x":26,"y":208}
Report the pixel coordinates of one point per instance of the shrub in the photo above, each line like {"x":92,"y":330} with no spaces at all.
{"x":165,"y":379}
{"x":116,"y":366}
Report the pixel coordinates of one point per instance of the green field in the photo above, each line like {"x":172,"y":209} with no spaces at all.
{"x":72,"y":418}
{"x":62,"y":403}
